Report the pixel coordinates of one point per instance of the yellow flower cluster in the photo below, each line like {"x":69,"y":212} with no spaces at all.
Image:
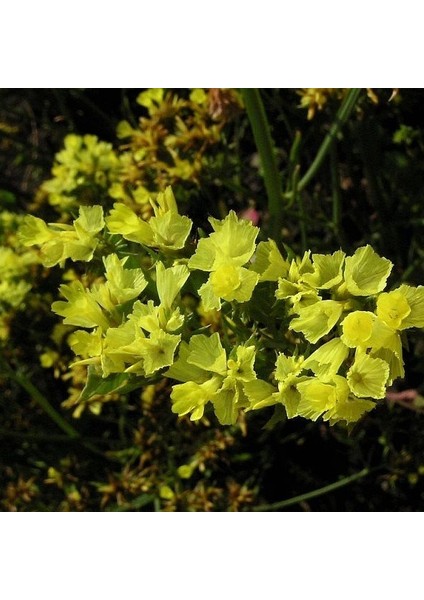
{"x":83,"y":171}
{"x":314,"y":99}
{"x":15,"y":267}
{"x":171,"y":145}
{"x":363,"y":356}
{"x":329,"y":347}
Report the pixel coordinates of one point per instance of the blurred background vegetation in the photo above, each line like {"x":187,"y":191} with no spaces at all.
{"x":345,"y":177}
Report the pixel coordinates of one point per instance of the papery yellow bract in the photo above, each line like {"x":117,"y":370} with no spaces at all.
{"x":90,"y":221}
{"x":224,"y":253}
{"x":226,"y":402}
{"x":357,"y":328}
{"x":165,"y":202}
{"x":316,"y":397}
{"x":167,"y":230}
{"x":317,"y":320}
{"x":348,"y":408}
{"x":59,"y":241}
{"x":230,"y":283}
{"x":366,"y":272}
{"x":299,"y":295}
{"x":116,"y":351}
{"x":232,"y":242}
{"x":300,"y":266}
{"x":415,"y":299}
{"x":260,"y":393}
{"x":170,"y":230}
{"x":204,"y":360}
{"x":269,"y":263}
{"x":182,"y":370}
{"x":86,"y":344}
{"x":158,"y":351}
{"x":295,"y":287}
{"x":327,"y":270}
{"x":34,"y":231}
{"x":326,"y":361}
{"x":225,"y":280}
{"x":240,"y":365}
{"x":288,"y":371}
{"x":81,"y":308}
{"x":123,"y":284}
{"x":207,"y":353}
{"x":123,"y":220}
{"x":151,"y":318}
{"x":169,"y":282}
{"x":191,"y":397}
{"x":384,"y":336}
{"x":394,"y":360}
{"x":332,"y":400}
{"x":392,"y":308}
{"x":367,"y":377}
{"x":288,"y":366}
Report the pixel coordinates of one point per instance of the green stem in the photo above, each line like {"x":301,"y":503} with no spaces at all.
{"x":336,"y":195}
{"x":265,"y":145}
{"x":297,"y":197}
{"x":293,"y":163}
{"x":41,"y":400}
{"x":319,"y":492}
{"x":342,"y":116}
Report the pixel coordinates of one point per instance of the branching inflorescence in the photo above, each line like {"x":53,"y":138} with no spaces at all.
{"x":315,"y":334}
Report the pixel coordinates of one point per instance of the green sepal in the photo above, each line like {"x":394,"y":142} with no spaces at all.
{"x":279,"y":416}
{"x":98,"y":385}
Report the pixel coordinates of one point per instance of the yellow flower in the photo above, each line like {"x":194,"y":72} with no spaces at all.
{"x":59,"y":241}
{"x":81,"y":308}
{"x":232,"y":242}
{"x":191,"y":397}
{"x":316,"y":397}
{"x":167,"y":230}
{"x":228,"y":282}
{"x":317,"y":320}
{"x":327,"y":270}
{"x":326,"y":361}
{"x":269,"y":263}
{"x":367,"y":377}
{"x":366,"y":273}
{"x":392,"y":308}
{"x":357,"y":328}
{"x":415,"y":298}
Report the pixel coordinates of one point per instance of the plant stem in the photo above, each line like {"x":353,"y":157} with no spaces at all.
{"x":336,"y":195}
{"x":266,"y":148}
{"x":342,"y":116}
{"x":41,"y":400}
{"x":315,"y":493}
